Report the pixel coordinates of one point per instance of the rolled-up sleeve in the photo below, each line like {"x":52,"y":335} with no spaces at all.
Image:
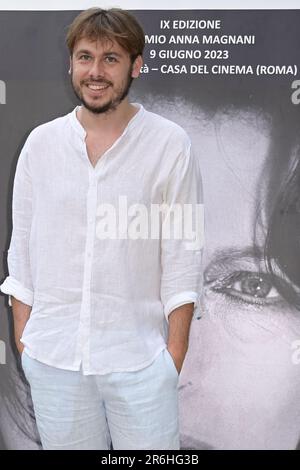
{"x":19,"y":283}
{"x":183,"y":236}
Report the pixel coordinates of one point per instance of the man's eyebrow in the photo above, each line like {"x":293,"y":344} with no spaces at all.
{"x":82,"y":51}
{"x":112,"y":52}
{"x":86,"y":51}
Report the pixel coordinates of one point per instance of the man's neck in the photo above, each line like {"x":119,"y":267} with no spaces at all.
{"x":110,"y":122}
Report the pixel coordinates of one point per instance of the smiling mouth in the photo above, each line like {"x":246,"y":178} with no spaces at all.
{"x":97,"y":88}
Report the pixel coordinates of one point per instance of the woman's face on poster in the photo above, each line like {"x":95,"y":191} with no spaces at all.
{"x":239,"y":386}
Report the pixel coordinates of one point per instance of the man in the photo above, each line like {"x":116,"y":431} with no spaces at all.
{"x":102,"y":303}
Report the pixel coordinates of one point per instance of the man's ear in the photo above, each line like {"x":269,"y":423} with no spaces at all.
{"x":70,"y":69}
{"x":137,"y":64}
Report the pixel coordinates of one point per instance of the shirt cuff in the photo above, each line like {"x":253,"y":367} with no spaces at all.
{"x":183,"y":298}
{"x":14,"y":288}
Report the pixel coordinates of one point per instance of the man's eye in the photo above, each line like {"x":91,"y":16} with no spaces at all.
{"x":84,"y":57}
{"x":110,"y":59}
{"x":250,"y":287}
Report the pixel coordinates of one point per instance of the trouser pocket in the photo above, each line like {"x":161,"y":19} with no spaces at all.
{"x":169,"y":359}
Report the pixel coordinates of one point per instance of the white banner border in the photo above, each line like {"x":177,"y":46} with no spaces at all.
{"x":40,"y":5}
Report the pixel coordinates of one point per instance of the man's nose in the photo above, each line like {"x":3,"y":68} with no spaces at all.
{"x":97,"y":69}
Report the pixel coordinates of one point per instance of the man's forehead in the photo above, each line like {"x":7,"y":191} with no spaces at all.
{"x":99,"y":44}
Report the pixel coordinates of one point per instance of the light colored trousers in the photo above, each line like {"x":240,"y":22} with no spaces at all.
{"x":133,"y":410}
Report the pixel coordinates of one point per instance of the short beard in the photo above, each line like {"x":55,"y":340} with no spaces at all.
{"x":112,"y":104}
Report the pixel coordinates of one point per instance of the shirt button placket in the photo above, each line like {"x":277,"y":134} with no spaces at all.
{"x":86,"y":300}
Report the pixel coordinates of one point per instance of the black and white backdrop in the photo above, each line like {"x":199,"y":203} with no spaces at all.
{"x":230,"y":76}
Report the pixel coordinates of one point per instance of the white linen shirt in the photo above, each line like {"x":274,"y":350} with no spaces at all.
{"x":102,"y":304}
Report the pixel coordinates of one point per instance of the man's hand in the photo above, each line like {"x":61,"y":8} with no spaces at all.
{"x":178,"y":357}
{"x":20,"y":347}
{"x":21,"y":314}
{"x":179,"y":327}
